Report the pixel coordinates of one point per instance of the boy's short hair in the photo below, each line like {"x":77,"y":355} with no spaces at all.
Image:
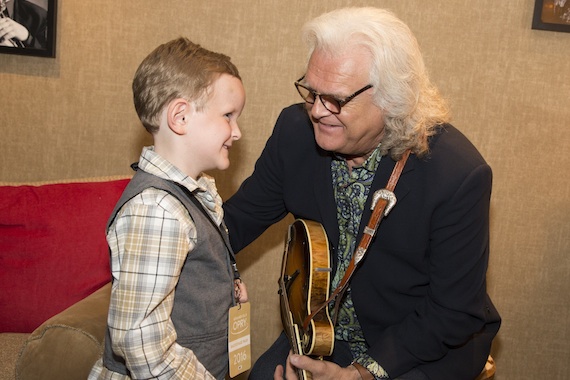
{"x":176,"y":69}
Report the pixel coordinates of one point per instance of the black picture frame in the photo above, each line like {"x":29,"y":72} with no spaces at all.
{"x":551,"y":15}
{"x":43,"y":44}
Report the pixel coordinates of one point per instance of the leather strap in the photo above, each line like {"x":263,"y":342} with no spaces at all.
{"x":383,"y":202}
{"x":364,"y":373}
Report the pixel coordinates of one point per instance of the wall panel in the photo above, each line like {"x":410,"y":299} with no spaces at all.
{"x":509,"y":86}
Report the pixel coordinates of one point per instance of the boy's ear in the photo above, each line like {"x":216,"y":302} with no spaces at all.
{"x":177,"y":115}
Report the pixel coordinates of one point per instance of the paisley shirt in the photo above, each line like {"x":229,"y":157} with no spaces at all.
{"x":351,"y":189}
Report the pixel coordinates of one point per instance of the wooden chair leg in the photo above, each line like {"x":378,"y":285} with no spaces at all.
{"x":488,"y":372}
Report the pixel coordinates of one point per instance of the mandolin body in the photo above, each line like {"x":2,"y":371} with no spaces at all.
{"x":306,"y":273}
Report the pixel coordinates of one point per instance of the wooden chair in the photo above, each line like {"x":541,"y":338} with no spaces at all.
{"x":488,"y":372}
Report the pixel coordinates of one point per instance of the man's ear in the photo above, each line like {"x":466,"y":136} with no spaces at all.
{"x":177,"y":115}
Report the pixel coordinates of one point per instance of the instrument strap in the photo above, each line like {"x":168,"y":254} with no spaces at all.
{"x":378,"y":213}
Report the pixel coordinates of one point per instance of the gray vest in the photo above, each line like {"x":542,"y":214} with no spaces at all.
{"x":205,"y":290}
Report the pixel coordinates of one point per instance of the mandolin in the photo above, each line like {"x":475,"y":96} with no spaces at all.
{"x":303,"y":288}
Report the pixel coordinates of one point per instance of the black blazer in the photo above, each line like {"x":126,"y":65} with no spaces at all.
{"x":420,"y":293}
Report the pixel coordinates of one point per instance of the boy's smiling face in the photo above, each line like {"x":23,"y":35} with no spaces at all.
{"x":212,"y":130}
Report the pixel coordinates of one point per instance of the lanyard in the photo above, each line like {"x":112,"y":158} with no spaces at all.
{"x":201,"y":208}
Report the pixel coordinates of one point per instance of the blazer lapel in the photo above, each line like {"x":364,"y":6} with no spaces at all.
{"x":324,"y":196}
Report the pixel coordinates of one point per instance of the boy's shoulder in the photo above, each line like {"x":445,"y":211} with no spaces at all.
{"x":157,"y":200}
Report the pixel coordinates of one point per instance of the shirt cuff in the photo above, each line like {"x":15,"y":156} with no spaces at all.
{"x":372,"y":366}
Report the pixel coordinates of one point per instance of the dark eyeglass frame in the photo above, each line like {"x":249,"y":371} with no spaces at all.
{"x":330,"y":99}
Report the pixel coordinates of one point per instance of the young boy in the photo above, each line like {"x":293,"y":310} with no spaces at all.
{"x":174,"y":275}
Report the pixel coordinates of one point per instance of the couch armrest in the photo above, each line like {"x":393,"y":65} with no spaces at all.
{"x":67,"y":345}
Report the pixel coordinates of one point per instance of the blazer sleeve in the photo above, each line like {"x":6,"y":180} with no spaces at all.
{"x":260,"y":200}
{"x":455,"y":306}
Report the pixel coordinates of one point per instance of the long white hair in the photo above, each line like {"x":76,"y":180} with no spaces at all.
{"x":412,"y":105}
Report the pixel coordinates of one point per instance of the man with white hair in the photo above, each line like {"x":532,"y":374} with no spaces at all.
{"x":416,"y":306}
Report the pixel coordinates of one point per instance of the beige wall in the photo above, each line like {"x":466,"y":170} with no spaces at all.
{"x":509,"y":86}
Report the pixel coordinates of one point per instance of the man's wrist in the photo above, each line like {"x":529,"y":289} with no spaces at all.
{"x":364,"y":373}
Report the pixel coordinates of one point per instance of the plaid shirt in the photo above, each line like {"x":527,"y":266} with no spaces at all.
{"x":149,"y":240}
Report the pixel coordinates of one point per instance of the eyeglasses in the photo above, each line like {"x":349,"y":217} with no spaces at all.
{"x":331,"y":103}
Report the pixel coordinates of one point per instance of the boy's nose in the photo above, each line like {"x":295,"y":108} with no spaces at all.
{"x":236,"y":132}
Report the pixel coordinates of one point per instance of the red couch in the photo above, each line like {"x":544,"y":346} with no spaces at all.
{"x":54,"y":276}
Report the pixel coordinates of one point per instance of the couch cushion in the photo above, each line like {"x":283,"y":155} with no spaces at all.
{"x":11,"y":344}
{"x":67,"y":345}
{"x":53,"y":250}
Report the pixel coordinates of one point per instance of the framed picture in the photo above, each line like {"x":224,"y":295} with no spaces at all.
{"x":552,"y":15}
{"x":28,"y":27}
